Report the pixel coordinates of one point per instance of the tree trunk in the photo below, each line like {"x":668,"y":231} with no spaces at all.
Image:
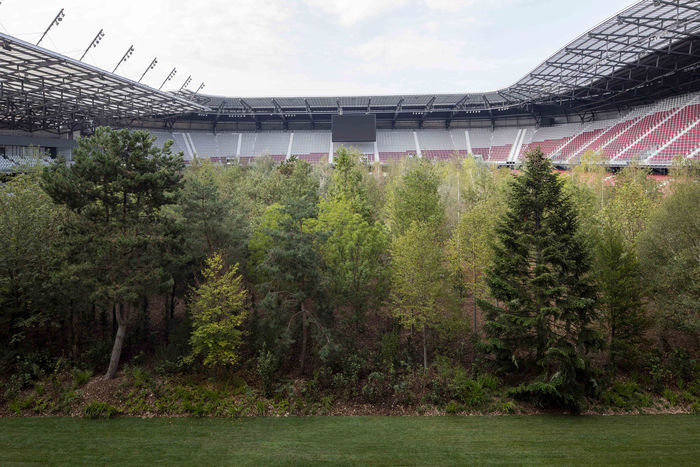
{"x":474,"y":303}
{"x":425,"y":348}
{"x":118,"y":341}
{"x":304,"y":333}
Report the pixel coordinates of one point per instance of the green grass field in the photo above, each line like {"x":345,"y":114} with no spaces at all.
{"x":658,"y":440}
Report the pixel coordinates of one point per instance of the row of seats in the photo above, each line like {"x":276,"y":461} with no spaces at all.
{"x":653,"y":134}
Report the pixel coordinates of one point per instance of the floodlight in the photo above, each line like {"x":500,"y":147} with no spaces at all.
{"x":94,"y":43}
{"x":55,"y":22}
{"x":150,"y":67}
{"x":126,"y":56}
{"x":168,"y":78}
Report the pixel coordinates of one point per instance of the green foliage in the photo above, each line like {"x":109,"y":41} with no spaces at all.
{"x":32,"y":296}
{"x":669,"y":258}
{"x":620,"y":300}
{"x":631,"y":204}
{"x":266,"y":368}
{"x":415,"y":198}
{"x":218,"y":311}
{"x":354,"y":252}
{"x":623,"y":395}
{"x":116,"y":187}
{"x":81,"y":377}
{"x":468,"y":391}
{"x":95,"y":410}
{"x":543,"y":289}
{"x":293,"y":291}
{"x":420,"y":293}
{"x":374,"y":388}
{"x":452,"y":408}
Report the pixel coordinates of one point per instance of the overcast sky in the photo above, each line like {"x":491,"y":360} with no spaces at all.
{"x":315,"y":47}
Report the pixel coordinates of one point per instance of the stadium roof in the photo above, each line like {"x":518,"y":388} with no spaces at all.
{"x":41,"y":89}
{"x":647,"y":51}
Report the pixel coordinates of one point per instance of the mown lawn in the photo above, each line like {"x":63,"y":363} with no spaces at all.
{"x":657,"y":440}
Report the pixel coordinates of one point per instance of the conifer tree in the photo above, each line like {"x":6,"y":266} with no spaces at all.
{"x":116,"y":188}
{"x":545,"y":297}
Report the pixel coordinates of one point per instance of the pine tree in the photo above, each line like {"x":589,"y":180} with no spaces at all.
{"x":117,"y":188}
{"x":545,"y":298}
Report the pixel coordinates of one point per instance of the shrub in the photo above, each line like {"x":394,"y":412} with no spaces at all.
{"x":17,"y":406}
{"x":261,"y":407}
{"x":623,"y":396}
{"x":390,"y":347}
{"x":468,"y":391}
{"x":671,"y":397}
{"x":266,"y":366}
{"x":95,"y":410}
{"x":81,"y":377}
{"x":140,"y":377}
{"x":507,"y":407}
{"x":546,"y":394}
{"x":374,"y":387}
{"x":452,"y":408}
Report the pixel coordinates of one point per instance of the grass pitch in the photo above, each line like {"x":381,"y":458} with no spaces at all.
{"x":650,"y":440}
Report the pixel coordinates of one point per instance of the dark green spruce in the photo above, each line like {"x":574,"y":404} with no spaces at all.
{"x":539,"y":324}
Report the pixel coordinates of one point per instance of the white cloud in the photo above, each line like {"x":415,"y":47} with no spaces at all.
{"x":350,"y":12}
{"x":448,"y":5}
{"x":452,"y":6}
{"x":408,"y":51}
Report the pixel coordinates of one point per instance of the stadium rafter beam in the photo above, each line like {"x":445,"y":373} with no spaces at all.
{"x":647,"y":51}
{"x":66,"y":90}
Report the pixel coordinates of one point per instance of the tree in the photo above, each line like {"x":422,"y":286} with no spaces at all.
{"x":470,"y":250}
{"x":545,"y":297}
{"x":670,"y":252}
{"x":420,"y":291}
{"x":415,"y":197}
{"x":632,"y":202}
{"x":354,"y":252}
{"x":620,"y":302}
{"x":218,"y":311}
{"x":289,"y":264}
{"x":116,"y":187}
{"x":353,"y":245}
{"x":212,"y":224}
{"x":32,"y":295}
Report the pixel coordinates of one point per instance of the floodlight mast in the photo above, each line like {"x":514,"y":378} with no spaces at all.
{"x":150,"y":67}
{"x":170,"y":76}
{"x":56,"y":21}
{"x":185,"y":84}
{"x":201,"y":86}
{"x":125,"y":57}
{"x":94,"y":43}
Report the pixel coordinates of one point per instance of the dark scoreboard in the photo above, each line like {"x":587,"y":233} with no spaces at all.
{"x":354,"y":128}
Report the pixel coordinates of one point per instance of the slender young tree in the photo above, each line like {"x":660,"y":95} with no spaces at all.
{"x":353,"y":245}
{"x":618,"y":275}
{"x":117,"y":185}
{"x":218,"y":311}
{"x":420,"y":291}
{"x":545,"y":297}
{"x":289,"y":264}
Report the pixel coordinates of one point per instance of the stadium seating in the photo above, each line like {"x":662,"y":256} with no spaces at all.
{"x":652,"y":134}
{"x":686,"y":143}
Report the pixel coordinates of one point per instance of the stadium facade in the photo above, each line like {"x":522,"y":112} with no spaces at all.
{"x":629,"y":88}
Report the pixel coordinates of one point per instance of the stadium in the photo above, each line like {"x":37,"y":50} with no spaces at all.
{"x":329,"y":257}
{"x":628,"y":88}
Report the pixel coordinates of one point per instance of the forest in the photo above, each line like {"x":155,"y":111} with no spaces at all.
{"x":132,"y":284}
